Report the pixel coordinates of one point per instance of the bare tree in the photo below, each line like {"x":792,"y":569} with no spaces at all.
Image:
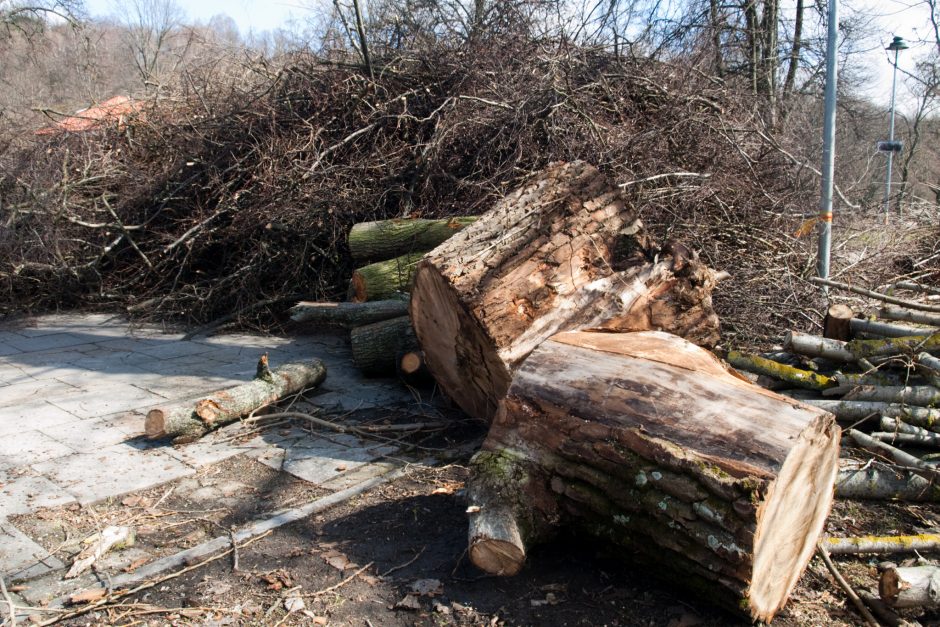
{"x":150,"y":25}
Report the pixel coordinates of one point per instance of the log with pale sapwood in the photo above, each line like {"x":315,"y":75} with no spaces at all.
{"x":908,"y":439}
{"x":189,"y":421}
{"x":385,"y":239}
{"x":815,"y":346}
{"x":910,"y":586}
{"x":929,"y":367}
{"x":882,"y":544}
{"x":649,"y":442}
{"x":564,"y":251}
{"x":375,"y":347}
{"x":874,"y":328}
{"x":915,"y":465}
{"x":348,"y":315}
{"x":859,"y":410}
{"x":916,"y":395}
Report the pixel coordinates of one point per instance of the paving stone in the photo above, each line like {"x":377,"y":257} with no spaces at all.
{"x":28,"y":447}
{"x":204,"y":453}
{"x":173,"y":350}
{"x":49,"y":342}
{"x":20,"y":557}
{"x":29,"y":493}
{"x":33,"y":415}
{"x":129,"y":344}
{"x":358,"y":475}
{"x":109,"y":399}
{"x":33,"y":390}
{"x":6,"y":349}
{"x":86,"y":436}
{"x":112,"y":471}
{"x":131,"y":423}
{"x":320,"y":460}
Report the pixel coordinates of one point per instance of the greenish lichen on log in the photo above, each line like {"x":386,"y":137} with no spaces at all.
{"x":806,"y":379}
{"x":385,"y":239}
{"x":890,"y":346}
{"x":190,"y":421}
{"x":650,"y":443}
{"x":382,"y":280}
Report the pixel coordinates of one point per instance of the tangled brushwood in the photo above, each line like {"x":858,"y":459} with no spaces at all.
{"x":234,"y":195}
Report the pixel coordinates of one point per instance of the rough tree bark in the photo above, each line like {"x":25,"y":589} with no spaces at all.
{"x":560,"y":253}
{"x":646,"y":440}
{"x":376,"y":346}
{"x":348,"y":315}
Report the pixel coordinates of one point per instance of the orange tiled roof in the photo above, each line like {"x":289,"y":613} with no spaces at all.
{"x":112,"y":110}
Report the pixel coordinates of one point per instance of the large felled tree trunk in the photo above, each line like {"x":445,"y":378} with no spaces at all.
{"x":647,"y":441}
{"x":562,"y":252}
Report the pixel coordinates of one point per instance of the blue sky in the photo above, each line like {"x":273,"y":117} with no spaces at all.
{"x":250,"y":15}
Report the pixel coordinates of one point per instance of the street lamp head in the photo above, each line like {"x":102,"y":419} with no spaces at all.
{"x":898,"y":44}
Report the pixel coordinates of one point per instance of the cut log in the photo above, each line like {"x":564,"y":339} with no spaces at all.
{"x":912,"y":586}
{"x":882,"y":544}
{"x":376,"y":346}
{"x":815,"y":346}
{"x":899,"y":426}
{"x":885,"y":329}
{"x":383,"y":279}
{"x":648,"y":441}
{"x":915,"y":465}
{"x":873,"y":483}
{"x":875,"y":377}
{"x":348,"y":315}
{"x":385,"y":239}
{"x":806,"y":379}
{"x":907,"y":439}
{"x":837,"y":323}
{"x":907,"y":315}
{"x":412,"y":369}
{"x":918,"y":395}
{"x":888,"y":347}
{"x":187,"y":422}
{"x":929,"y":366}
{"x":562,"y":252}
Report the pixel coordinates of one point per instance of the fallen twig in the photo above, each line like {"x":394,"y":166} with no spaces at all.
{"x":849,"y":592}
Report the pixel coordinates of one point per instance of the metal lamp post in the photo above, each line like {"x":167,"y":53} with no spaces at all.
{"x":897,"y":45}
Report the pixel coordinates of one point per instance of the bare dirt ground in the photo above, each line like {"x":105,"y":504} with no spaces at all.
{"x":396,"y":556}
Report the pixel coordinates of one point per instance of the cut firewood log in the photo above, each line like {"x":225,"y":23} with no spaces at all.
{"x":890,"y":346}
{"x":899,"y":426}
{"x":376,"y":346}
{"x":815,"y":346}
{"x":885,"y":329}
{"x":875,"y":377}
{"x":929,"y":366}
{"x":189,"y":421}
{"x":348,"y":315}
{"x":859,"y":410}
{"x":412,"y":369}
{"x":562,"y":252}
{"x":836,"y":325}
{"x":908,"y":439}
{"x":907,"y":315}
{"x":915,"y":465}
{"x":385,"y":239}
{"x":806,"y":379}
{"x":917,"y":395}
{"x":911,"y":586}
{"x":884,"y":484}
{"x":649,"y":442}
{"x":882,"y":544}
{"x":383,"y":279}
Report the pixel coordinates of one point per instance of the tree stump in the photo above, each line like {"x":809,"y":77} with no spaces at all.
{"x":562,"y":252}
{"x":647,"y":441}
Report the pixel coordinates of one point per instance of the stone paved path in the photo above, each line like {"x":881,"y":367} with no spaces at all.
{"x":72,"y":389}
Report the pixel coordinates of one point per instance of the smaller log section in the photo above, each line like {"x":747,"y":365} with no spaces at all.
{"x":562,"y":252}
{"x":912,"y":586}
{"x":348,"y":315}
{"x":376,"y":346}
{"x":649,"y":442}
{"x":385,"y":239}
{"x":837,"y":323}
{"x":190,"y":421}
{"x":383,"y":279}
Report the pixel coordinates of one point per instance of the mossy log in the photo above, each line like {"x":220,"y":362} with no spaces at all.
{"x":806,"y":379}
{"x":385,"y":239}
{"x":910,"y":586}
{"x":348,"y":315}
{"x":908,"y":315}
{"x":382,"y":280}
{"x":376,"y":346}
{"x":872,"y":482}
{"x":875,"y":377}
{"x":890,"y":346}
{"x":649,"y":442}
{"x":564,"y":251}
{"x":190,"y":421}
{"x":882,"y":544}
